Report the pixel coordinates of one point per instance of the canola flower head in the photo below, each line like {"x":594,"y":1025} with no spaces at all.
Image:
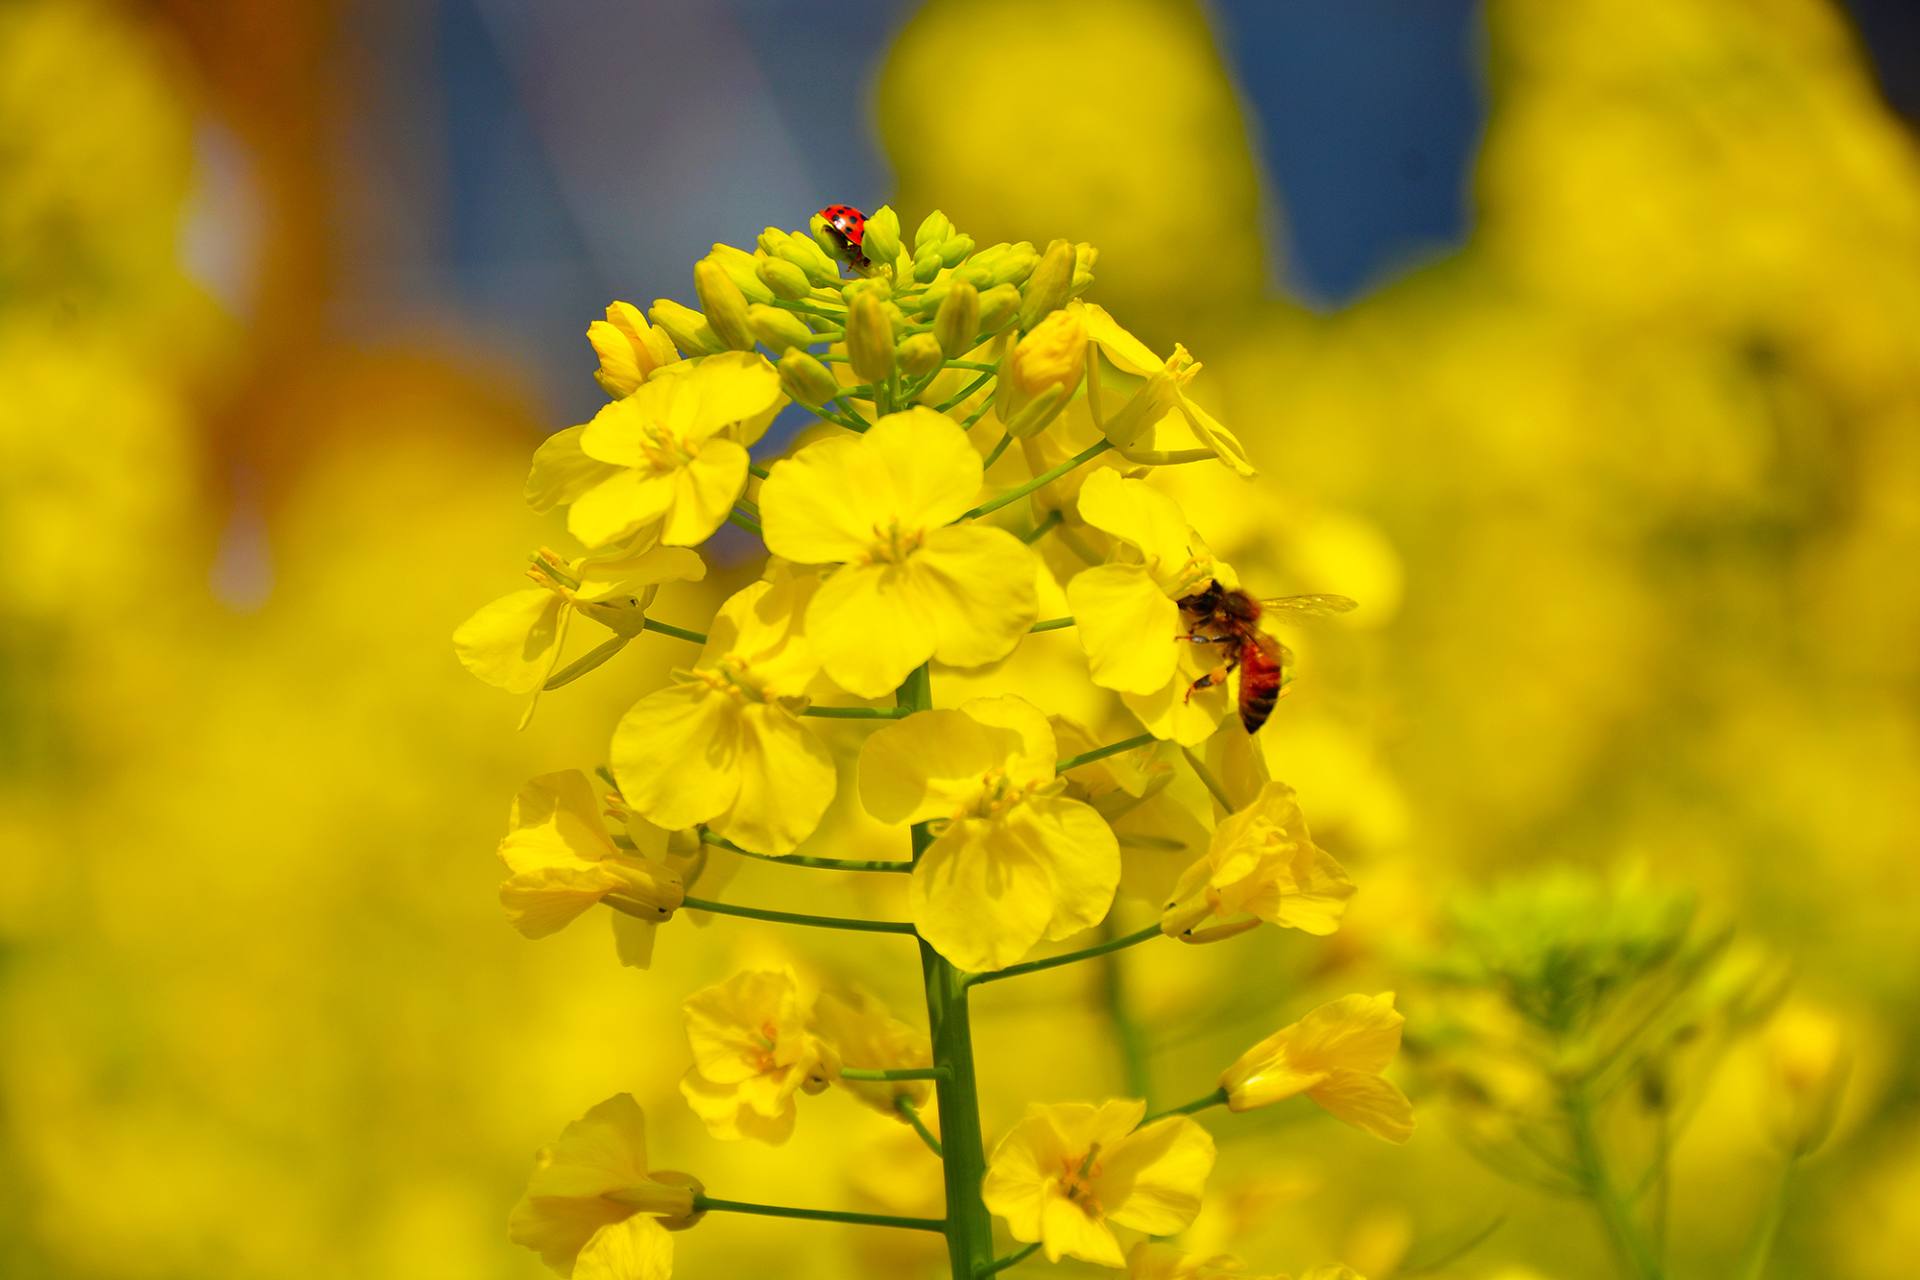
{"x":1335,"y":1056}
{"x":1012,"y":860}
{"x":753,"y":1051}
{"x":1261,"y":865}
{"x":1068,"y":1173}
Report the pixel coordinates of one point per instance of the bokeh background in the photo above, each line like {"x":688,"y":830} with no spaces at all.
{"x":1579,"y":340}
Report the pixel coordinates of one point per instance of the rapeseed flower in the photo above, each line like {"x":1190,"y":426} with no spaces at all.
{"x":593,"y":1207}
{"x":723,"y":745}
{"x":1335,"y":1056}
{"x":665,"y":463}
{"x":1127,"y":611}
{"x":1012,"y":859}
{"x":752,"y":1053}
{"x":1159,"y":422}
{"x":1067,"y":1174}
{"x":861,"y":1032}
{"x":630,"y":349}
{"x":910,"y":583}
{"x":562,"y":862}
{"x":1261,"y":865}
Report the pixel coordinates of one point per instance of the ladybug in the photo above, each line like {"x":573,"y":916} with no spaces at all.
{"x":848,"y":226}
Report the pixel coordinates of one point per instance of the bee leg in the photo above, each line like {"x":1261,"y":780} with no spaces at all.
{"x":1216,"y":676}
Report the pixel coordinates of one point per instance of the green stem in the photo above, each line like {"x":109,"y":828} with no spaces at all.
{"x":1013,"y":1259}
{"x":756,"y":470}
{"x":893,"y":1073}
{"x":745,"y":522}
{"x":836,"y":313}
{"x":993,"y":455}
{"x":1207,"y":780}
{"x":963,"y":1157}
{"x":1045,"y":526}
{"x":586,"y":662}
{"x":678,"y":633}
{"x":709,"y":1204}
{"x":966,"y":423}
{"x":1217,"y":1098}
{"x":911,"y":1114}
{"x":954,"y":402}
{"x":1070,"y":957}
{"x":1101,"y":753}
{"x":808,"y":860}
{"x":1754,"y":1264}
{"x":973,"y":364}
{"x":1127,"y":1035}
{"x":855,"y":713}
{"x":1597,"y":1183}
{"x":1045,"y":478}
{"x":795,"y":917}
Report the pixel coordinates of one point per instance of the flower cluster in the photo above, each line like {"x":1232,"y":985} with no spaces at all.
{"x":908,"y":540}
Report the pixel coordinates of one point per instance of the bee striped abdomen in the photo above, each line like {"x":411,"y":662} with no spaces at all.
{"x":1259,"y":686}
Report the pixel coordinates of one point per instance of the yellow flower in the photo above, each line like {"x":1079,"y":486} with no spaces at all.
{"x":514,"y":643}
{"x":1159,"y":423}
{"x":861,"y":1032}
{"x":1127,"y":612}
{"x":1807,"y":1053}
{"x":1067,"y":1174}
{"x":1335,"y":1056}
{"x":1261,"y":865}
{"x":723,"y":746}
{"x":752,"y":1052}
{"x":1012,"y":860}
{"x":562,"y":862}
{"x":594,"y":1178}
{"x":629,"y":348}
{"x":1152,"y":1260}
{"x":1041,"y":372}
{"x":911,"y":585}
{"x":665,"y":463}
{"x":636,"y":1249}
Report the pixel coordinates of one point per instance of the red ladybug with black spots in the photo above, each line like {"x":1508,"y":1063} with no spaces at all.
{"x":848,"y":226}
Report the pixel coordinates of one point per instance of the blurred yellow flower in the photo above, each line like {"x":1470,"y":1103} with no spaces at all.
{"x":1261,"y":865}
{"x":752,"y":1052}
{"x":1153,"y":1260}
{"x":1158,"y":423}
{"x":630,"y":349}
{"x":562,"y":861}
{"x":723,"y":745}
{"x":1127,"y":614}
{"x":1012,"y":859}
{"x":1807,"y":1051}
{"x":665,"y":463}
{"x":861,"y":1032}
{"x":596,"y":1176}
{"x":1335,"y":1056}
{"x":911,"y":585}
{"x":636,"y":1249}
{"x":514,"y":643}
{"x":1067,"y":1174}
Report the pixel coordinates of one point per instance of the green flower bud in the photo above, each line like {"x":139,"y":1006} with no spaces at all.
{"x":776,"y":328}
{"x":1050,"y":285}
{"x":869,"y":338}
{"x":688,"y":328}
{"x":955,"y":251}
{"x":820,"y":268}
{"x":932,"y":231}
{"x":998,"y":306}
{"x":726,"y":305}
{"x":881,"y":240}
{"x":805,"y":379}
{"x":957,"y":322}
{"x":1083,"y":260}
{"x":740,"y":267}
{"x":786,"y":280}
{"x":866,"y":286}
{"x":920,"y":354}
{"x":926,"y":263}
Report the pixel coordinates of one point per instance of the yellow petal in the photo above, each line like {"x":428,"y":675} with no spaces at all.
{"x":561,"y":472}
{"x":1068,"y":1231}
{"x":973,"y":587}
{"x":933,"y":465}
{"x":633,"y":939}
{"x":1225,"y":445}
{"x":555,"y":819}
{"x":704,"y":491}
{"x":1152,"y":1179}
{"x":1147,"y":519}
{"x":821,"y":506}
{"x":1128,"y":627}
{"x":674,"y":754}
{"x":787,"y":780}
{"x":544,"y":900}
{"x":623,"y":503}
{"x":628,"y":574}
{"x":1127,"y":352}
{"x":512,"y":642}
{"x":605,"y":1150}
{"x":929,"y":765}
{"x":1175,"y":712}
{"x":978,"y":898}
{"x":636,"y":1249}
{"x":722,"y":390}
{"x":1081,"y":858}
{"x":1353,"y":1033}
{"x":864,"y":628}
{"x":1034,"y":758}
{"x":1366,"y":1102}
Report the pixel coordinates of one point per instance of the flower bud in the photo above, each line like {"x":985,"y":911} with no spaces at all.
{"x":629,"y":348}
{"x":688,"y":328}
{"x":881,"y":239}
{"x":998,"y":306}
{"x":820,"y":268}
{"x":1084,"y":256}
{"x":926,"y":264}
{"x":999,"y":264}
{"x":776,"y":328}
{"x":933,"y":230}
{"x":865,"y":286}
{"x":1050,"y":285}
{"x":957,"y":321}
{"x":920,"y":354}
{"x":740,"y":267}
{"x":869,"y":338}
{"x":824,"y":236}
{"x":955,"y":250}
{"x":784,"y":279}
{"x":1038,"y":374}
{"x":726,"y":305}
{"x":805,"y":379}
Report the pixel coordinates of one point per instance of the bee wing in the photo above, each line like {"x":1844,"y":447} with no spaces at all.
{"x":1307,"y":607}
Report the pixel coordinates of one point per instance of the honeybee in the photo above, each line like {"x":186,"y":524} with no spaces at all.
{"x":1229,"y":616}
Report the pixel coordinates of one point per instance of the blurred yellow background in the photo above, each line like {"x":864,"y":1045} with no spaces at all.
{"x":1628,"y":484}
